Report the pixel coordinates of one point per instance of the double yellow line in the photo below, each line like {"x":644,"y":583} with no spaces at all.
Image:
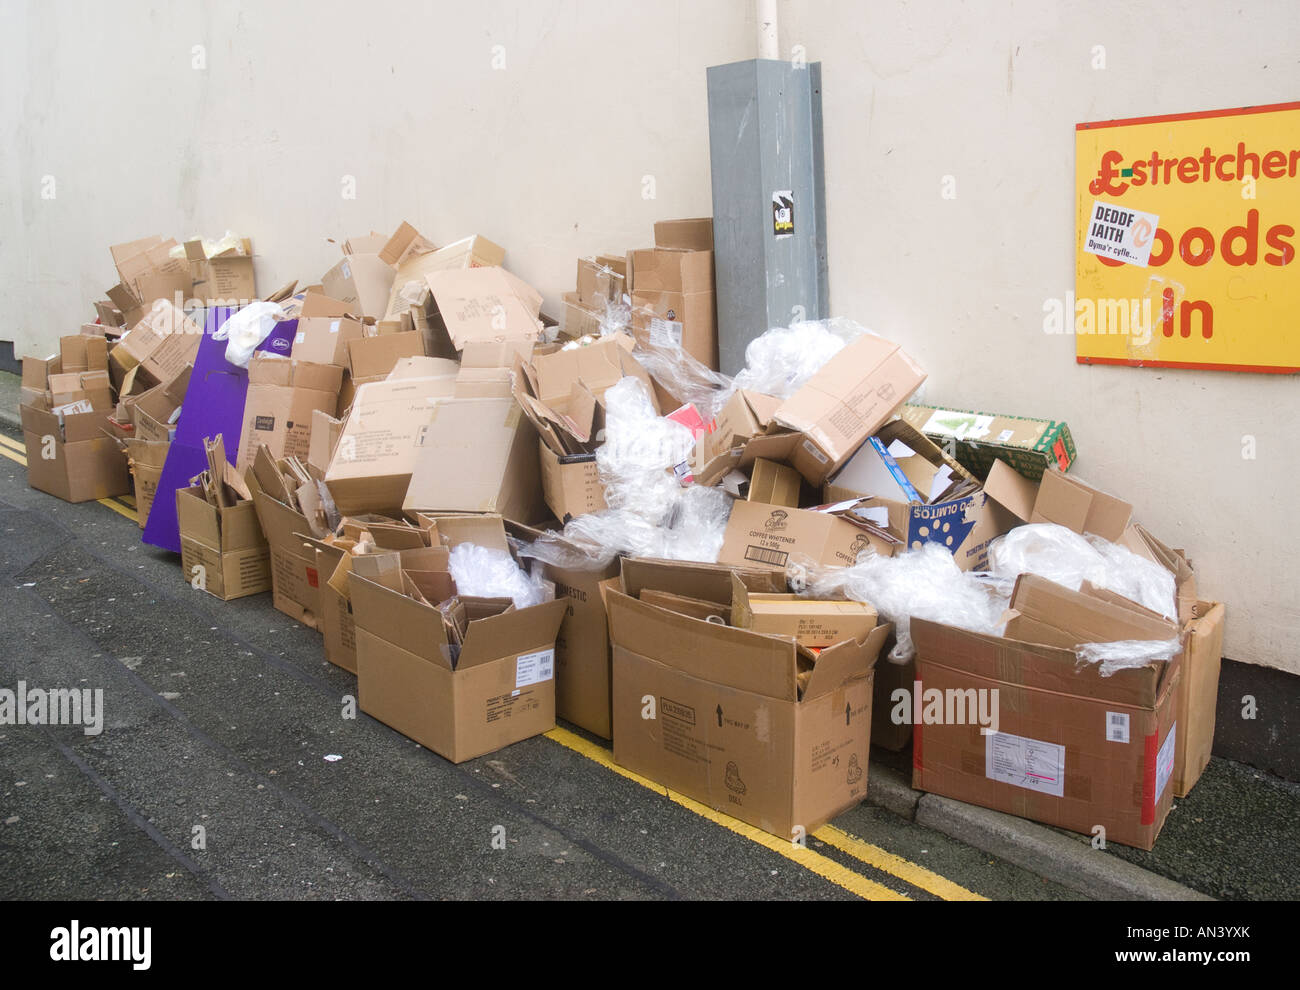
{"x":123,"y":505}
{"x":823,"y":866}
{"x":864,"y":852}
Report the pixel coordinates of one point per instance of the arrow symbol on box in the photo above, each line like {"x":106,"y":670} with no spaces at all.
{"x":719,"y":716}
{"x":847,"y":712}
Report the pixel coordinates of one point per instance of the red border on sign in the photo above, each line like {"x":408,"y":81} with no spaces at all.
{"x":1198,"y":115}
{"x":1187,"y":365}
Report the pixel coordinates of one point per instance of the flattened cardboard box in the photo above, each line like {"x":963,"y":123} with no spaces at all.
{"x":502,"y":687}
{"x":729,"y":729}
{"x":978,"y":439}
{"x":381,"y":441}
{"x":1072,"y":748}
{"x":1198,"y":695}
{"x":478,"y":455}
{"x":222,"y":548}
{"x":295,"y":580}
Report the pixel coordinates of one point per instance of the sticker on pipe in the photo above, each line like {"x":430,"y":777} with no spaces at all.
{"x":783,"y":213}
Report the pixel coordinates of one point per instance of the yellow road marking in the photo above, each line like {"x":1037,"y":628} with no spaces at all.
{"x":13,"y":444}
{"x":905,"y":870}
{"x":15,"y":457}
{"x":121,"y":510}
{"x":823,"y":866}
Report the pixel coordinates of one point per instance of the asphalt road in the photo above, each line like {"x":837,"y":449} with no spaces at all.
{"x":225,"y":768}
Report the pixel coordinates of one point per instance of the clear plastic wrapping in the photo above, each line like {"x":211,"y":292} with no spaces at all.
{"x":640,"y":450}
{"x":1126,"y":654}
{"x":485,"y":572}
{"x":1069,"y":559}
{"x":924,"y":583}
{"x":782,"y":360}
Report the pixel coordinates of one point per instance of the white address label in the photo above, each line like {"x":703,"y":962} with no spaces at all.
{"x":533,"y":668}
{"x":1028,"y":763}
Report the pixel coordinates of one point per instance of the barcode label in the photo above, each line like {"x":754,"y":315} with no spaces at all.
{"x":1006,"y":435}
{"x":765,"y":556}
{"x":533,"y":668}
{"x":665,"y":333}
{"x":1165,"y":761}
{"x":1117,"y":727}
{"x":809,"y":446}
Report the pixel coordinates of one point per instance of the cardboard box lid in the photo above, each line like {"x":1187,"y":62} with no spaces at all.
{"x":1083,"y":618}
{"x":484,"y":304}
{"x":383,"y":430}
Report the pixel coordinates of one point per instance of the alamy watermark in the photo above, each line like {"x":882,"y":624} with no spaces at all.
{"x":53,"y":706}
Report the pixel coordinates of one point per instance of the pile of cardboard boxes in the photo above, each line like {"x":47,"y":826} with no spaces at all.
{"x":419,"y":402}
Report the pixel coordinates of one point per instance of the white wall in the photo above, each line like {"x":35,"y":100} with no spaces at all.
{"x":548,"y":157}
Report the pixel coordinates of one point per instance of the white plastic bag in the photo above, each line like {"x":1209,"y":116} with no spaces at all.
{"x":246,"y":329}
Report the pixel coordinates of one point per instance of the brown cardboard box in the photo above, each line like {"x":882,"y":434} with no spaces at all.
{"x":676,"y":288}
{"x":1043,"y":611}
{"x":851,"y":398}
{"x":74,"y":460}
{"x":570,"y":483}
{"x":81,"y":352}
{"x":579,"y":320}
{"x":222,"y":549}
{"x":478,"y":455}
{"x":325,"y":328}
{"x":225,"y":279}
{"x":695,"y":234}
{"x":583,"y":673}
{"x":381,"y":440}
{"x":727,"y":724}
{"x":891,"y":675}
{"x":1198,"y":695}
{"x":295,"y":580}
{"x":373,"y":356}
{"x":814,"y":623}
{"x":499,"y":689}
{"x":599,"y":283}
{"x":162,"y":343}
{"x":282,"y":395}
{"x":1072,"y":748}
{"x":776,"y":536}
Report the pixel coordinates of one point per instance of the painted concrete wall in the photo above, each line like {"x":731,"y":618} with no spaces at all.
{"x":545,"y":126}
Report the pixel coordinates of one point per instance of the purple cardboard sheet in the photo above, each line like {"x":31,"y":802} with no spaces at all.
{"x":214,"y":403}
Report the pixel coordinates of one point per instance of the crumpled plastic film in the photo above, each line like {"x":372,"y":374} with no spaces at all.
{"x":640,"y":449}
{"x":1069,"y":559}
{"x":485,"y":572}
{"x":925,"y":583}
{"x":1126,"y":654}
{"x":782,"y":360}
{"x":247,"y":328}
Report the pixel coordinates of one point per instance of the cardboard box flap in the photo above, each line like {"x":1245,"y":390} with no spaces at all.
{"x":481,"y":304}
{"x":1033,"y":665}
{"x":708,"y":582}
{"x":844,"y":661}
{"x":1074,"y":505}
{"x":1091,"y":619}
{"x":1011,"y":490}
{"x":399,"y":619}
{"x":740,"y":659}
{"x":512,"y":633}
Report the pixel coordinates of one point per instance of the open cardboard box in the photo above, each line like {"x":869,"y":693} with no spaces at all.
{"x":729,"y":723}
